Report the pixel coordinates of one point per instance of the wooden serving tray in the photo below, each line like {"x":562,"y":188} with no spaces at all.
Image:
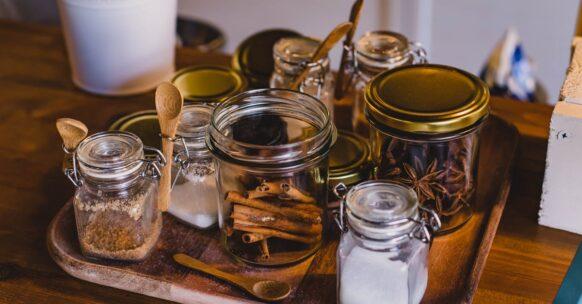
{"x":456,"y":259}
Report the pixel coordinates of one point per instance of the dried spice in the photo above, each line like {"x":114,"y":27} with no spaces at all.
{"x":440,"y":173}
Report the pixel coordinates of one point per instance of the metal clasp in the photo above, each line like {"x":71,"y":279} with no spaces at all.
{"x":428,"y":224}
{"x":72,"y":173}
{"x":319,"y":80}
{"x":152,"y":169}
{"x":340,"y":191}
{"x":418,"y":53}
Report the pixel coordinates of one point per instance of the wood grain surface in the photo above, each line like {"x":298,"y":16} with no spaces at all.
{"x":526,"y":264}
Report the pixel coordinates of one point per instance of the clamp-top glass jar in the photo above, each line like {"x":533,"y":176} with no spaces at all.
{"x":116,"y":198}
{"x":194,"y":196}
{"x":376,"y":52}
{"x":383,"y":251}
{"x":292,"y":56}
{"x":425,"y":134}
{"x":271,"y":148}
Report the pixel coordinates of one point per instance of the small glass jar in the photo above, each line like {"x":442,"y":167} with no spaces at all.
{"x":374,"y":53}
{"x":292,"y":56}
{"x":194,"y":196}
{"x":116,"y":198}
{"x":425,"y":134}
{"x":271,"y":147}
{"x":382,"y":255}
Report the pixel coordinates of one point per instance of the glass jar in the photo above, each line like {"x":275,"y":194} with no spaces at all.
{"x":382,"y":255}
{"x":116,"y":198}
{"x":374,"y":53}
{"x":292,"y":56}
{"x":194,"y":196}
{"x":271,"y":148}
{"x":425,"y":134}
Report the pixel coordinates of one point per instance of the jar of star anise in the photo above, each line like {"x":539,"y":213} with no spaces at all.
{"x":425,"y":134}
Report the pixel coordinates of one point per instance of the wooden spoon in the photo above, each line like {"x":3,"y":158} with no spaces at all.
{"x":326,"y":45}
{"x":169,"y":104}
{"x":266,"y":290}
{"x":354,"y":19}
{"x":72,"y":132}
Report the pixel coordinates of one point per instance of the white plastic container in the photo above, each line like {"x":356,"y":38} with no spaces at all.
{"x":119,"y":47}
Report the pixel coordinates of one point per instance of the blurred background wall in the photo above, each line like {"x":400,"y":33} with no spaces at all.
{"x":456,"y":32}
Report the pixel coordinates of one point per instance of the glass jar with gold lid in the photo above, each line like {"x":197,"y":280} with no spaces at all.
{"x":425,"y":121}
{"x":208,"y":84}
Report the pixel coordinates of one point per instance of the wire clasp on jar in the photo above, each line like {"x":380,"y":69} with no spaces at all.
{"x":319,"y":81}
{"x":426,"y":225}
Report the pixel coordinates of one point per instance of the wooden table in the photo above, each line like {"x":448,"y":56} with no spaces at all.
{"x":527,"y":262}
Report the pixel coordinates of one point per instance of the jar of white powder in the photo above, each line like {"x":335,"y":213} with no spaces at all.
{"x":383,"y":251}
{"x":194,"y":197}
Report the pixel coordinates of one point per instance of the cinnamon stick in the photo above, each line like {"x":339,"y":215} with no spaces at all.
{"x":250,"y":227}
{"x":273,"y":220}
{"x":265,"y":255}
{"x":235,"y":197}
{"x":249,"y":238}
{"x":296,"y":194}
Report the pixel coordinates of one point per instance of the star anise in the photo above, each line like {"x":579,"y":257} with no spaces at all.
{"x":427,"y":186}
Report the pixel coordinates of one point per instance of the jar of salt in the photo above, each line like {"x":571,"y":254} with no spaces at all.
{"x":194,"y":197}
{"x":382,"y":254}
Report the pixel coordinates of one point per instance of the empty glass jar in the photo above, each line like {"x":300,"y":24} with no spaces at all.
{"x":194,"y":198}
{"x":425,"y":134}
{"x":292,"y":56}
{"x":374,"y":53}
{"x":116,"y":198}
{"x":271,"y":148}
{"x":382,"y":254}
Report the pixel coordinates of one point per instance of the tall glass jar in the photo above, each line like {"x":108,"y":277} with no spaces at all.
{"x":374,"y":53}
{"x":116,"y":198}
{"x":292,"y":56}
{"x":425,"y":134}
{"x":194,"y":197}
{"x":382,"y":255}
{"x":271,"y":147}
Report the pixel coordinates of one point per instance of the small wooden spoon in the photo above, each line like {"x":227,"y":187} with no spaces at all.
{"x":169,"y":104}
{"x":266,"y":290}
{"x":72,"y":132}
{"x":326,"y":45}
{"x":354,"y":19}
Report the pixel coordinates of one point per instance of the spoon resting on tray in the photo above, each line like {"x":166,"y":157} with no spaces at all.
{"x":266,"y":290}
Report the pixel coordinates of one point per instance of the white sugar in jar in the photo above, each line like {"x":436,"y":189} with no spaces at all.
{"x":383,"y":251}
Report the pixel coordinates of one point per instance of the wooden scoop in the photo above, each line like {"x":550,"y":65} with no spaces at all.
{"x":266,"y":290}
{"x":169,"y":104}
{"x":72,"y":132}
{"x":326,"y":45}
{"x":355,"y":13}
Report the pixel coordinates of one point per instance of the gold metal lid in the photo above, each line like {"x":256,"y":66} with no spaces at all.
{"x":426,"y":98}
{"x":208,"y":84}
{"x":144,"y":124}
{"x":349,"y":160}
{"x":253,"y":58}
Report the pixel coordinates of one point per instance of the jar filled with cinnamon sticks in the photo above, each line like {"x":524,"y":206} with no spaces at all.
{"x":425,"y":134}
{"x":271,"y":150}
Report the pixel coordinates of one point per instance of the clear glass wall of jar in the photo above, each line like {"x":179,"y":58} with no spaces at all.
{"x":382,"y":254}
{"x":292,"y":56}
{"x":271,"y":147}
{"x":194,"y":197}
{"x":116,"y":200}
{"x":425,"y":134}
{"x":374,"y":53}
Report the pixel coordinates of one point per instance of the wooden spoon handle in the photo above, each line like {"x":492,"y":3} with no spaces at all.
{"x":326,"y":45}
{"x":166,"y":179}
{"x":195,"y":264}
{"x":354,"y":19}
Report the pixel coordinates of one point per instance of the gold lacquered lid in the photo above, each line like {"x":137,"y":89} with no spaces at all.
{"x":426,"y":98}
{"x":144,"y":124}
{"x":208,"y":84}
{"x":349,"y":160}
{"x":253,"y":58}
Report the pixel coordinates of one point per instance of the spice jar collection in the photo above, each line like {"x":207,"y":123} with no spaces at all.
{"x":257,"y":163}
